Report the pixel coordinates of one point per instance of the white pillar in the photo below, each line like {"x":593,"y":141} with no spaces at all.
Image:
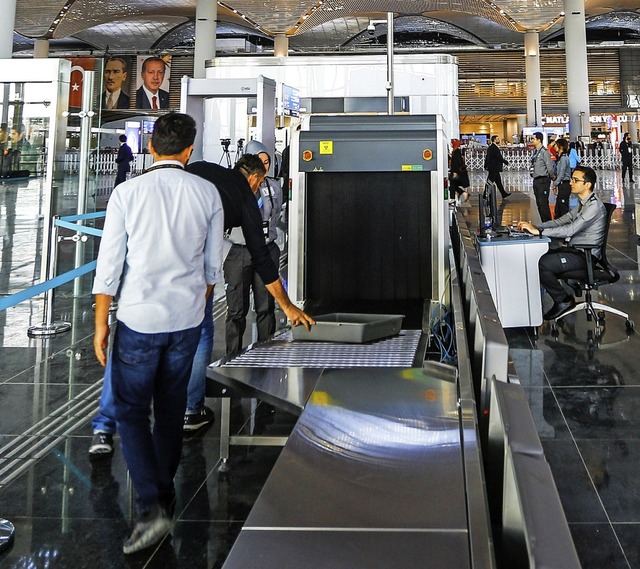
{"x":41,"y":49}
{"x":205,"y":48}
{"x":7,"y":23}
{"x":532,"y":75}
{"x":281,"y":45}
{"x":575,"y":49}
{"x":633,"y":131}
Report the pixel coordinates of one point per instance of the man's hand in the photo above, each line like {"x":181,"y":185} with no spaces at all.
{"x":528,"y":227}
{"x":100,"y":343}
{"x":297,"y":317}
{"x":293,"y":313}
{"x":101,"y":336}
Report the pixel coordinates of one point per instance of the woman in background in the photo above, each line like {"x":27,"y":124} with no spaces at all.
{"x":458,"y":175}
{"x":561,"y":184}
{"x":574,"y":157}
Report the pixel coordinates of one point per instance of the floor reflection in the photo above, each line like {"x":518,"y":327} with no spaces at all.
{"x":583,"y":390}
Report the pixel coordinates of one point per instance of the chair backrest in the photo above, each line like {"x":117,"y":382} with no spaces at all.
{"x":601,"y":272}
{"x":604,"y":272}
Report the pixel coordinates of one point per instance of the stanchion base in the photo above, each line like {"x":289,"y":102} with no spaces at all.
{"x":49,"y":329}
{"x":7,"y":532}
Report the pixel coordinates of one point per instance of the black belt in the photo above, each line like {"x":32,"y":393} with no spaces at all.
{"x":539,"y":177}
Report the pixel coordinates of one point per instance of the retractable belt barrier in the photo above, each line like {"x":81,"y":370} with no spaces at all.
{"x":67,"y":222}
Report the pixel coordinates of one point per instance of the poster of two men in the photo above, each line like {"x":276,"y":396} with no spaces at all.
{"x":152,"y":83}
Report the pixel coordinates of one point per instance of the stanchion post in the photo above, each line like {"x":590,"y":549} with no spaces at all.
{"x":48,"y":327}
{"x":7,"y":532}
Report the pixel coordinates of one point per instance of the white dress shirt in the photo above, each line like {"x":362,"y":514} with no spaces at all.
{"x":161,"y":246}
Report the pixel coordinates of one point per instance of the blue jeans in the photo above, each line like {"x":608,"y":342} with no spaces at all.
{"x":198,"y":379}
{"x":146,"y":369}
{"x":105,"y":420}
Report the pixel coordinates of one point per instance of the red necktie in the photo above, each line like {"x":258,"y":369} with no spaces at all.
{"x":154,"y":102}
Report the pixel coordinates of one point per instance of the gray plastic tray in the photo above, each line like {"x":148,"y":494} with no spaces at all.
{"x":350,"y":328}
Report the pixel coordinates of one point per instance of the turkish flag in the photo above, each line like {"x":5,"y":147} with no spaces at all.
{"x":78,"y":66}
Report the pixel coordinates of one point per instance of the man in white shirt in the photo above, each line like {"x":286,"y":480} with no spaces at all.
{"x":161,"y":253}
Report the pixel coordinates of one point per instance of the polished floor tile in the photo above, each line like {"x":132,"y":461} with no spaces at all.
{"x":583,"y":391}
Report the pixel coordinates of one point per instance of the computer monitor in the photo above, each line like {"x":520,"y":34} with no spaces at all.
{"x":489,"y":216}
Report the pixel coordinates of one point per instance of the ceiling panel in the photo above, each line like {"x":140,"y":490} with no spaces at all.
{"x":311,"y":24}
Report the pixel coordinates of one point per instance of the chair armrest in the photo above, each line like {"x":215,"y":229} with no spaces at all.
{"x":588,"y":258}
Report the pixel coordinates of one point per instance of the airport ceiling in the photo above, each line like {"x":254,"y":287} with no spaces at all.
{"x":150,"y":26}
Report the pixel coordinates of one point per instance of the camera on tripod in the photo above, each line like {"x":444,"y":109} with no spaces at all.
{"x":240,"y":145}
{"x":225,"y":143}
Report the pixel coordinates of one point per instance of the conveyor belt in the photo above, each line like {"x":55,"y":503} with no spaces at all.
{"x":282,"y":352}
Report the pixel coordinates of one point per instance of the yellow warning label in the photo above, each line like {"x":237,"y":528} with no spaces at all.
{"x":407,"y":167}
{"x":326,"y":147}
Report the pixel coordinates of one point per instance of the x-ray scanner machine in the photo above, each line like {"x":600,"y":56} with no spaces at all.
{"x":368,"y":217}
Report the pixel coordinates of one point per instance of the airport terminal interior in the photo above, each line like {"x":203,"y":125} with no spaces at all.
{"x":72,"y":512}
{"x":475,"y":434}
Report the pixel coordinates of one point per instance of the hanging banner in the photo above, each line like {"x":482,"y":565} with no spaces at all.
{"x":78,"y":66}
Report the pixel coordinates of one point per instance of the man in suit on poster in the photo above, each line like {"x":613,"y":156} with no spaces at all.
{"x":149,"y":95}
{"x":114,"y":96}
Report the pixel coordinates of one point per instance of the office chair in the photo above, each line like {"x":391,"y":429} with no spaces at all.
{"x":599,"y":272}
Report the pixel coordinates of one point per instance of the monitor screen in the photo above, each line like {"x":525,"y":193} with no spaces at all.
{"x":290,"y":101}
{"x":147,"y":127}
{"x":488,"y":214}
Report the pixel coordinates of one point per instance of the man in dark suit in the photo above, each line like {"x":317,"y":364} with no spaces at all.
{"x":493,"y":164}
{"x":123,"y":160}
{"x":149,"y":95}
{"x":115,"y":75}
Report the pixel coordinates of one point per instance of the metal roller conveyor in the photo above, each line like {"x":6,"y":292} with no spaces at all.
{"x":282,"y":352}
{"x":283,"y":372}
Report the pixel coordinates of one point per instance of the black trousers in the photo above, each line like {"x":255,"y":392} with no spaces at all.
{"x":496,"y":178}
{"x":240,"y":279}
{"x":627,"y":165}
{"x":553,"y":264}
{"x":541,"y":186}
{"x":562,"y":199}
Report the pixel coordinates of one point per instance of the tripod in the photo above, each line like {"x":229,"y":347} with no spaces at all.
{"x":239,"y":148}
{"x":225,"y":152}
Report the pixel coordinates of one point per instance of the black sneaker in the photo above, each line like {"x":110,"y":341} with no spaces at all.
{"x":101,"y":444}
{"x":148,"y":532}
{"x":199,"y":419}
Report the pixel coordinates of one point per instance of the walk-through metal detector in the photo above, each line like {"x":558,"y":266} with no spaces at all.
{"x":197,"y":99}
{"x":368,"y":211}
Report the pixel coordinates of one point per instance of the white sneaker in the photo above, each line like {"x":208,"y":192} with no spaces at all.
{"x":148,"y":533}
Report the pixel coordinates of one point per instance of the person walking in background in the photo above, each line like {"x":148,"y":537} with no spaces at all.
{"x":541,"y":170}
{"x":123,"y":160}
{"x":161,"y":253}
{"x":552,"y":147}
{"x":574,"y":157}
{"x":493,"y":163}
{"x":562,"y":183}
{"x":458,"y":175}
{"x":626,"y":154}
